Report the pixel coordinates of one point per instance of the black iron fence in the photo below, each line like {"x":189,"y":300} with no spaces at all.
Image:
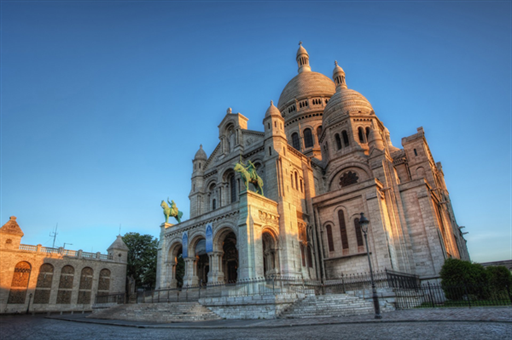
{"x":118,"y":298}
{"x":434,"y":295}
{"x":270,"y":285}
{"x":264,"y":286}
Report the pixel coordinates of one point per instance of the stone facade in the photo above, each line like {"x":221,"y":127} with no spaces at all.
{"x":42,"y":279}
{"x":324,"y":157}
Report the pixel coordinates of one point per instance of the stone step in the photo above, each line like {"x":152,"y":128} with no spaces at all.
{"x":328,"y":305}
{"x":157,"y":312}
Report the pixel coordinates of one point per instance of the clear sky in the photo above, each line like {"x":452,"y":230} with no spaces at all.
{"x":105,"y":103}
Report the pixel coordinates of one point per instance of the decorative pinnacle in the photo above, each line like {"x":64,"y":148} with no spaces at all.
{"x":271,"y":103}
{"x":335,"y":63}
{"x":300,"y":43}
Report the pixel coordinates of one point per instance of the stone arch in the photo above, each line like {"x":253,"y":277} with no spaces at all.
{"x":232,"y":184}
{"x":44,"y":284}
{"x":362,"y":171}
{"x":226,"y":252}
{"x":19,"y":283}
{"x":67,"y":274}
{"x":175,"y":264}
{"x":270,"y":245}
{"x":85,"y":287}
{"x":200,"y":264}
{"x":104,"y":281}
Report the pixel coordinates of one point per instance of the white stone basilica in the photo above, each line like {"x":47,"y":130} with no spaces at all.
{"x":324,"y":157}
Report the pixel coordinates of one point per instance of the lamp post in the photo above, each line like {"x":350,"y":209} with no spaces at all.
{"x":363,"y":223}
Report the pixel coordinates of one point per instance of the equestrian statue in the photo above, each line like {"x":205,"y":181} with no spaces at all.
{"x":249,"y":175}
{"x":171,"y":210}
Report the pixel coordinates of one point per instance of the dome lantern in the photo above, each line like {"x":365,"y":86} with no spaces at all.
{"x":338,"y":75}
{"x":303,"y":59}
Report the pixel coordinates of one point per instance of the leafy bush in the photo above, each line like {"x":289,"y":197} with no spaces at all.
{"x":500,"y":280}
{"x":461,"y":279}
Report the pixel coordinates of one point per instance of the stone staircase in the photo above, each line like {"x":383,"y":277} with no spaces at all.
{"x":157,"y":312}
{"x":332,"y":305}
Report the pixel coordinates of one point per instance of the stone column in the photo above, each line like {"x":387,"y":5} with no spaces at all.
{"x":220,"y":271}
{"x":171,"y":270}
{"x":190,"y":278}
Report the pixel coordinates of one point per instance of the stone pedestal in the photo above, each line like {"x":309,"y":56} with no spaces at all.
{"x":256,"y":214}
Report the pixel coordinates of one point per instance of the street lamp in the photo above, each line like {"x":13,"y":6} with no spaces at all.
{"x":363,"y":223}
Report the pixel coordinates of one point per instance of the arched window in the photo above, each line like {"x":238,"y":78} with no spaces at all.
{"x":318,"y":133}
{"x":310,"y":257}
{"x":302,"y":255}
{"x":343,"y":230}
{"x":367,"y":133}
{"x":330,"y":242}
{"x":291,"y":179}
{"x":232,"y":187}
{"x":359,"y":233}
{"x":301,"y":186}
{"x":345,"y":138}
{"x":214,"y":204}
{"x":44,"y":284}
{"x":360,"y":132}
{"x":65,"y":285}
{"x":84,"y":292}
{"x":295,"y":141}
{"x":296,"y":182}
{"x":308,"y":138}
{"x":19,"y":283}
{"x":338,"y":141}
{"x":104,"y":282}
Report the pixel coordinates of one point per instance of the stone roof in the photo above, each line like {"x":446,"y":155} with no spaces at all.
{"x":118,"y":244}
{"x":200,"y":154}
{"x":306,"y":84}
{"x":347,"y":100}
{"x":11,"y":227}
{"x":272,"y":110}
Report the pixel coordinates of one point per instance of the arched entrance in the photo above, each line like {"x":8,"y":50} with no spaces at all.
{"x":270,"y":260}
{"x":230,"y":258}
{"x":202,"y":262}
{"x":175,"y":266}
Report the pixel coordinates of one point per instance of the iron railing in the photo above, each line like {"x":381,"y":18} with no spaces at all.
{"x":434,"y":295}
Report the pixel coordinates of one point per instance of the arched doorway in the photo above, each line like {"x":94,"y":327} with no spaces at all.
{"x":202,"y":262}
{"x":269,"y":243}
{"x":230,"y":258}
{"x":176,"y":266}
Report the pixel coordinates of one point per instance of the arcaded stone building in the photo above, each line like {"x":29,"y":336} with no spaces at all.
{"x":42,"y":279}
{"x":324,"y":156}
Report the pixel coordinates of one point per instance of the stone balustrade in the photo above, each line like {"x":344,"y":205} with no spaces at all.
{"x":67,"y":252}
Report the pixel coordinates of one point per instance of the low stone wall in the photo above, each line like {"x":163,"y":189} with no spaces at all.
{"x":251,"y":307}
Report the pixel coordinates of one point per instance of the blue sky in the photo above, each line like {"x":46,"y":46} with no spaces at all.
{"x":104,"y":104}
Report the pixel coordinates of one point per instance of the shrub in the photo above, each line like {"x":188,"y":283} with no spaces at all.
{"x":500,"y":280}
{"x":461,"y":279}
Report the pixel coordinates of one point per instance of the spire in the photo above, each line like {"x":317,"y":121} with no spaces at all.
{"x":303,"y":59}
{"x":338,"y":75}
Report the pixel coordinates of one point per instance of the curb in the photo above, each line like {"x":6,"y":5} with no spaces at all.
{"x":168,"y":326}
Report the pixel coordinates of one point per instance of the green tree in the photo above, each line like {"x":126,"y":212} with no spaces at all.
{"x":500,"y":280}
{"x":463,"y":278}
{"x":142,"y":255}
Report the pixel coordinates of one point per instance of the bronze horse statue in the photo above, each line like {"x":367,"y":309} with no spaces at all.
{"x":171,"y":210}
{"x":249,"y":175}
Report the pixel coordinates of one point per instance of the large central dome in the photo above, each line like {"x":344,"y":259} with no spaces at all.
{"x":306,"y":84}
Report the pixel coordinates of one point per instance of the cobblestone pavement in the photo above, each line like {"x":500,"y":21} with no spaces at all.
{"x":474,"y":323}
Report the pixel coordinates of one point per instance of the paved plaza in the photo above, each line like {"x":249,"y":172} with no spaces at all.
{"x":474,"y":323}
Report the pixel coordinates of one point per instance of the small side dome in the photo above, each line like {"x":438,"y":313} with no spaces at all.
{"x":200,"y":154}
{"x":272,"y":111}
{"x":347,"y":100}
